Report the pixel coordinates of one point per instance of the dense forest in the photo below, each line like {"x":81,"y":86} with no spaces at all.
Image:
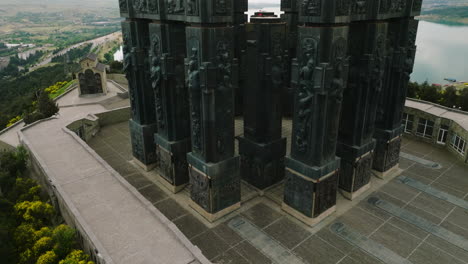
{"x":19,"y":93}
{"x":447,"y":96}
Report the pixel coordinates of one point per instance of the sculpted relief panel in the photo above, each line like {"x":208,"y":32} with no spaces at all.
{"x":141,"y":6}
{"x":358,"y":7}
{"x":192,"y":8}
{"x":342,"y":7}
{"x":193,"y":83}
{"x":305,"y":96}
{"x":222,"y":7}
{"x":156,"y":76}
{"x":175,"y":7}
{"x":392,"y":6}
{"x":123,"y":6}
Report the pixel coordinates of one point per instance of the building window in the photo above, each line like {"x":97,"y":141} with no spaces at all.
{"x":459,"y":144}
{"x":408,"y":122}
{"x":443,"y":132}
{"x":425,"y":128}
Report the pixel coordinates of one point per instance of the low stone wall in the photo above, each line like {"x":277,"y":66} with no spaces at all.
{"x":65,"y":207}
{"x":88,"y":127}
{"x":119,"y":78}
{"x":5,"y":147}
{"x":85,"y":128}
{"x":453,"y":128}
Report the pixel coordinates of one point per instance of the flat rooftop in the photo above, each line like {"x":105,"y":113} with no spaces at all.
{"x":419,"y":217}
{"x":459,"y":117}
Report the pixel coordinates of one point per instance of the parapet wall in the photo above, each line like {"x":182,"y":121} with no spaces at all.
{"x":63,"y":205}
{"x":88,"y":127}
{"x":455,"y":120}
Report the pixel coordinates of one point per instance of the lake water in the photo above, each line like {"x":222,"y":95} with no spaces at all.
{"x":442,"y":51}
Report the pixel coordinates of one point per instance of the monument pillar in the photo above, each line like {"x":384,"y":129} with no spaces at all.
{"x":290,"y":17}
{"x":365,"y":83}
{"x":320,"y":71}
{"x":240,"y":21}
{"x":136,"y":68}
{"x":211,"y":72}
{"x":401,"y":51}
{"x":262,"y":149}
{"x":167,"y":54}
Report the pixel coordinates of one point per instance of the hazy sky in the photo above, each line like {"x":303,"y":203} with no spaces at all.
{"x":264,"y":1}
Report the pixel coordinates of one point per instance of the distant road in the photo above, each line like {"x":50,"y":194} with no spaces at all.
{"x":95,"y":42}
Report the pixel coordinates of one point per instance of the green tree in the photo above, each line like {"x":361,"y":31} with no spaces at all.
{"x":43,"y":245}
{"x":463,"y":99}
{"x":37,"y":213}
{"x":430,"y":93}
{"x":48,"y":258}
{"x":450,"y":97}
{"x":24,"y":189}
{"x":413,"y":90}
{"x":14,"y":162}
{"x":65,"y":240}
{"x":46,"y":106}
{"x":76,"y":257}
{"x":24,"y":236}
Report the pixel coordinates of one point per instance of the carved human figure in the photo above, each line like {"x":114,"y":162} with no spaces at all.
{"x":127,"y":61}
{"x":192,"y":7}
{"x":193,"y":83}
{"x":334,"y":108}
{"x":224,"y":65}
{"x":123,"y":5}
{"x":220,"y":6}
{"x":155,"y":76}
{"x":305,"y":101}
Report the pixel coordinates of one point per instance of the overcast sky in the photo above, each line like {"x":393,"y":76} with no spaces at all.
{"x":264,"y":1}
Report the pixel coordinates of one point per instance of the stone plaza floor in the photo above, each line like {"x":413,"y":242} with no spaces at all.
{"x":419,"y":217}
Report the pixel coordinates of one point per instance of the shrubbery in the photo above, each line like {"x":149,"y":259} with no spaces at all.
{"x":447,"y":96}
{"x":45,"y":108}
{"x":28,"y":223}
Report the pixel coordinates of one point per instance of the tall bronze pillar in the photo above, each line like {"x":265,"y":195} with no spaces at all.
{"x":262,"y":149}
{"x":401,"y":38}
{"x":136,"y":67}
{"x":167,"y":54}
{"x":365,"y":82}
{"x":211,"y":72}
{"x":290,"y":17}
{"x":321,"y":75}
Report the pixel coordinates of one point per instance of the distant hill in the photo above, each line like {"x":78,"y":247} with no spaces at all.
{"x":453,"y":12}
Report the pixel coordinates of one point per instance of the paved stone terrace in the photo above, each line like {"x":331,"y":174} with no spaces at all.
{"x":385,"y":237}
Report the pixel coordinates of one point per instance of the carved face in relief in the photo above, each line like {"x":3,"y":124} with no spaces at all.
{"x":342,"y":7}
{"x":192,"y":8}
{"x":140,"y":5}
{"x":359,"y":7}
{"x":123,"y":5}
{"x":221,"y":6}
{"x":311,"y":7}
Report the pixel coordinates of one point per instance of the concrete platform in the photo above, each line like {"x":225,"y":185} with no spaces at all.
{"x":319,"y":244}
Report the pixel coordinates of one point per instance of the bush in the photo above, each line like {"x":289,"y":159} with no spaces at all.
{"x":47,"y":258}
{"x":65,"y":240}
{"x":13,"y":121}
{"x":76,"y":257}
{"x":32,"y":117}
{"x":36,"y":213}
